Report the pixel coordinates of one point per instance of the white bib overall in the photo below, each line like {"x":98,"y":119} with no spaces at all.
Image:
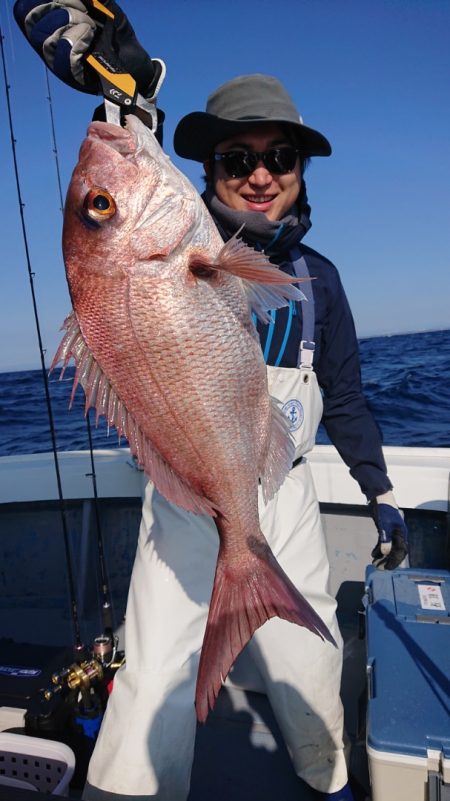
{"x":146,"y":742}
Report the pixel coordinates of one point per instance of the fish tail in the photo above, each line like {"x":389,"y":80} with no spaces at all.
{"x":242,"y":600}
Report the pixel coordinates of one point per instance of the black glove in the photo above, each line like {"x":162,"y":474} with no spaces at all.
{"x":392,"y":546}
{"x":64,"y":32}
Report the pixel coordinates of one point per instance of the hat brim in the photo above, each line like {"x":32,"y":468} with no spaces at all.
{"x":197,"y":134}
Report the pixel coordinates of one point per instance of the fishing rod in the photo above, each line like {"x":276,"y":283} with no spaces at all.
{"x":74,"y":704}
{"x":106,"y":607}
{"x":62,"y":506}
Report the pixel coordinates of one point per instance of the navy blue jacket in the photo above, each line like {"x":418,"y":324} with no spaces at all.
{"x":346,"y":417}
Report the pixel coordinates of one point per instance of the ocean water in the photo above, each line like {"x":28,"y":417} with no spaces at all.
{"x":406,"y":381}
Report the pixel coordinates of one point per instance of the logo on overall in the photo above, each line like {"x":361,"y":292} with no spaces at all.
{"x":293,"y":410}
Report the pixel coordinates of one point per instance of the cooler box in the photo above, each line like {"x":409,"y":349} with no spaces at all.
{"x":408,"y":669}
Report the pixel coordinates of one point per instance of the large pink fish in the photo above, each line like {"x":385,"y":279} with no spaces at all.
{"x":165,"y":348}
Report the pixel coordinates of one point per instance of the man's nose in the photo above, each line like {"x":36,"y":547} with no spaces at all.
{"x":260,"y":175}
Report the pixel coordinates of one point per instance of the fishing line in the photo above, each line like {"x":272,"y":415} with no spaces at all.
{"x":106,"y":597}
{"x":62,"y":506}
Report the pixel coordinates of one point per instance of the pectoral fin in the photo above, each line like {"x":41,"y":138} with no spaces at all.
{"x":266,"y":286}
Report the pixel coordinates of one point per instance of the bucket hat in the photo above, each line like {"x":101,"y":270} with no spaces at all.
{"x":236,"y":106}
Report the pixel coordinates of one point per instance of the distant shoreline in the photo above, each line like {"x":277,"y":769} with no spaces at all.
{"x":404,"y":333}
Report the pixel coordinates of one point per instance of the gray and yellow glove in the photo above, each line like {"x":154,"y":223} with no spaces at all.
{"x":391,"y":550}
{"x":64,"y":32}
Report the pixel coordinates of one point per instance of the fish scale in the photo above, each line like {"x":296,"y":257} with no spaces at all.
{"x":165,"y":347}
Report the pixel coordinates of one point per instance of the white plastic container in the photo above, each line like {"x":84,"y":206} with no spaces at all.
{"x":399,"y":777}
{"x":35,"y":764}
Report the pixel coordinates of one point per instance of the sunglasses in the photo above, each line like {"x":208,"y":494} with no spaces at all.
{"x":240,"y":163}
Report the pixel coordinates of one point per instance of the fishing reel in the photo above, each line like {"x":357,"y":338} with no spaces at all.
{"x":80,"y":676}
{"x":93,"y":670}
{"x":72,"y":707}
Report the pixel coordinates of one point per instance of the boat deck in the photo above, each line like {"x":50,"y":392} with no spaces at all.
{"x":240,"y":754}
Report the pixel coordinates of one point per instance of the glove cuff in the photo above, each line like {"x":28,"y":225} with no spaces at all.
{"x":159,"y":74}
{"x":388,"y":498}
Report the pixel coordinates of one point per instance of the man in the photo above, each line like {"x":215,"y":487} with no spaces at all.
{"x":254,"y":148}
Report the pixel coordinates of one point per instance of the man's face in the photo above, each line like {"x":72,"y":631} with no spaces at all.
{"x":263,"y":191}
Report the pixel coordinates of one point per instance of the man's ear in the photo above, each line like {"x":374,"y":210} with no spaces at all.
{"x":208,"y":170}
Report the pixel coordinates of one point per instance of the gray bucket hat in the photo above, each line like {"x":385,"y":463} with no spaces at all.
{"x":236,"y":106}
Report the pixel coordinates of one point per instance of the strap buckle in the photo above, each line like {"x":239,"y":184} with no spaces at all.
{"x":307,"y":348}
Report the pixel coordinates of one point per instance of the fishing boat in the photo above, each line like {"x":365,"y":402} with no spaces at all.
{"x":69,"y":523}
{"x":239,"y":751}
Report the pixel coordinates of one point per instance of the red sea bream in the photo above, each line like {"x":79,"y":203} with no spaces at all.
{"x":165,"y":348}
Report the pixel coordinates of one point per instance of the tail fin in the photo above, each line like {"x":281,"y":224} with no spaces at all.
{"x":242,"y":600}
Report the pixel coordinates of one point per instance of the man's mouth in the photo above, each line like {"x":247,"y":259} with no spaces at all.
{"x":258,"y":199}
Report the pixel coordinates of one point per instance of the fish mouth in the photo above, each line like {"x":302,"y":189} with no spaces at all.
{"x":119,"y":139}
{"x":128,"y":141}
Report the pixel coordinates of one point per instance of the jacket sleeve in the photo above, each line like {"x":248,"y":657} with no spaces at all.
{"x":347,"y":418}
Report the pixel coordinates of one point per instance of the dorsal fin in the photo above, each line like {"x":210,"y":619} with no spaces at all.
{"x":101,"y":395}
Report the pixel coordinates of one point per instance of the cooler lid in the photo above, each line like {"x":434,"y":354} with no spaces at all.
{"x":408,"y":658}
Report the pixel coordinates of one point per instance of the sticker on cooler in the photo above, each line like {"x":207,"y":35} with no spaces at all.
{"x":431,"y":597}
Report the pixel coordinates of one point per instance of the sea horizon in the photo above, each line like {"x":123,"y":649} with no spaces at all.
{"x":405,"y":380}
{"x":361,"y":338}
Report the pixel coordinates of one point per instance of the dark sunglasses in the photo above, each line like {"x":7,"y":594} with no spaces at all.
{"x":240,"y":163}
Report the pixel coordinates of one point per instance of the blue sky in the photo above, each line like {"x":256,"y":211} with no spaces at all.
{"x":372,"y":75}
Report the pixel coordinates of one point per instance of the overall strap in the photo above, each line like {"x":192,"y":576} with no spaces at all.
{"x":307,"y":344}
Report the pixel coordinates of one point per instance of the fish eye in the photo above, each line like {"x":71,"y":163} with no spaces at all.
{"x":99,"y":205}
